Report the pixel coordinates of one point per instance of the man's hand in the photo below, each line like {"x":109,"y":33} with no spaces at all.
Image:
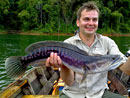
{"x":54,"y":60}
{"x":66,"y":74}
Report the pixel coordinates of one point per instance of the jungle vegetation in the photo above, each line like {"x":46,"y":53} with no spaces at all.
{"x":52,"y":16}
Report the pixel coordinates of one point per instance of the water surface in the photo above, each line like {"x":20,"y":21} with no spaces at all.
{"x":14,"y":45}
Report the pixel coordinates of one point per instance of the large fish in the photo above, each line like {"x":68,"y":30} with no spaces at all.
{"x":72,"y":57}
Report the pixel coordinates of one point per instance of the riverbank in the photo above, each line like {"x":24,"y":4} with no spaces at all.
{"x":59,"y":34}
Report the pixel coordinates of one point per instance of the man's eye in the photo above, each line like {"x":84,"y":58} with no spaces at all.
{"x":86,"y":19}
{"x":95,"y":19}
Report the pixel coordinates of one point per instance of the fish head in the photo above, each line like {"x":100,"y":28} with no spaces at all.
{"x":97,"y":64}
{"x":101,"y":63}
{"x":115,"y":59}
{"x":108,"y":60}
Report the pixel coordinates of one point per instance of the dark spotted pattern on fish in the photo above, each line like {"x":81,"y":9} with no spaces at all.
{"x":43,"y":53}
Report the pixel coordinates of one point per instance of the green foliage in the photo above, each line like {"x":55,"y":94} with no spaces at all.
{"x":115,"y":18}
{"x":125,"y":28}
{"x":4,"y":5}
{"x":105,"y":17}
{"x":23,"y":14}
{"x":4,"y":9}
{"x":69,"y":28}
{"x":110,"y":5}
{"x":53,"y":16}
{"x":28,"y":14}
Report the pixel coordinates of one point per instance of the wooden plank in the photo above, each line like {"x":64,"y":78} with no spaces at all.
{"x":40,"y":96}
{"x":11,"y":92}
{"x":49,"y":85}
{"x":116,"y":84}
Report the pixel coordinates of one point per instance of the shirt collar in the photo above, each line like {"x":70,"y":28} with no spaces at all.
{"x":97,"y":37}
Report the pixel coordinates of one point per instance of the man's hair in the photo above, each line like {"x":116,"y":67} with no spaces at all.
{"x":91,"y":5}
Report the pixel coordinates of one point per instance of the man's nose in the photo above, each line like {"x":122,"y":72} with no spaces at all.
{"x":90,"y":22}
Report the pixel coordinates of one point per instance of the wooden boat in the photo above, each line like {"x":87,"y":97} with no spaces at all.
{"x":36,"y":83}
{"x":42,"y":82}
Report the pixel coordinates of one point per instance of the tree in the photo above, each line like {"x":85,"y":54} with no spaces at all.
{"x":60,"y":15}
{"x":4,"y":10}
{"x":115,"y":18}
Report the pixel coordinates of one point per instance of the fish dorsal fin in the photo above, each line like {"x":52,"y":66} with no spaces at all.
{"x":40,"y":44}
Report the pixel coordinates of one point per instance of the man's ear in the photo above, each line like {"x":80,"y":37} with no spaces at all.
{"x":77,"y":22}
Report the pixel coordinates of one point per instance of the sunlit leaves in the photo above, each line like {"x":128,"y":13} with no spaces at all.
{"x":23,"y":14}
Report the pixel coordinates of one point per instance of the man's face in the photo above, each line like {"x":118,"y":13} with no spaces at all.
{"x":88,"y":22}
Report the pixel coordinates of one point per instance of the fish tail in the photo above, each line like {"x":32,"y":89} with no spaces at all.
{"x":14,"y":67}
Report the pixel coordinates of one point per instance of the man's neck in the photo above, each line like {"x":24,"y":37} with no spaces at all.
{"x":88,"y":39}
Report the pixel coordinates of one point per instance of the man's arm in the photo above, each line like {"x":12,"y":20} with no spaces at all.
{"x":113,"y":49}
{"x":66,"y":74}
{"x":126,"y":67}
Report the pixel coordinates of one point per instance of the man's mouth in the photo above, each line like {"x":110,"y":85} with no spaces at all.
{"x":89,"y":28}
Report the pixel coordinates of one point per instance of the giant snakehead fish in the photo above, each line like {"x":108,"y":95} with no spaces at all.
{"x":72,"y":57}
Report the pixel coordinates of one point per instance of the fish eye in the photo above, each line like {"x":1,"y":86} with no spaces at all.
{"x":113,"y":58}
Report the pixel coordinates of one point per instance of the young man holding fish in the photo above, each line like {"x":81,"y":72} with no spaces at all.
{"x":95,"y":85}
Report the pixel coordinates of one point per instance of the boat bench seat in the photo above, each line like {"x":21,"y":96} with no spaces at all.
{"x":41,"y":80}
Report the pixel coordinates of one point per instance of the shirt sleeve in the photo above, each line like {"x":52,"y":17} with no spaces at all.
{"x":114,"y":50}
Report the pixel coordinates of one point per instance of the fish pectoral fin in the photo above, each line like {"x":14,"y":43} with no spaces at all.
{"x":85,"y":74}
{"x":84,"y":77}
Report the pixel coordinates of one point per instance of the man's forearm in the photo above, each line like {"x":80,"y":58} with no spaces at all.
{"x":67,"y":75}
{"x":126,"y":67}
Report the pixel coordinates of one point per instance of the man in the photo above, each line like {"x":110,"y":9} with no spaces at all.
{"x":95,"y":85}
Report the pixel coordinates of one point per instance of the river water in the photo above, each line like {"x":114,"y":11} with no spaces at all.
{"x":14,"y":45}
